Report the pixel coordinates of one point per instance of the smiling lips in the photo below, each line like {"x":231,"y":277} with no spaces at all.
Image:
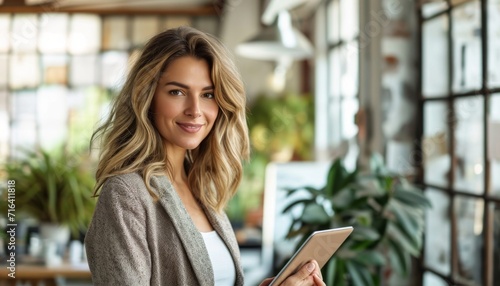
{"x":189,"y":127}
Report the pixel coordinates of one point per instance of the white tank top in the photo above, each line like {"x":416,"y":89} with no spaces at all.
{"x":222,"y":262}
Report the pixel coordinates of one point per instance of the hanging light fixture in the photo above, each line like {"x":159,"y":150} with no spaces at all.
{"x":280,"y":40}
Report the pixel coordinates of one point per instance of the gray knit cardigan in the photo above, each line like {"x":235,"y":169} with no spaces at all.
{"x":135,"y":241}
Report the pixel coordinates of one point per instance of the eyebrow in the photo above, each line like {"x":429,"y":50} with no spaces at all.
{"x":186,"y":86}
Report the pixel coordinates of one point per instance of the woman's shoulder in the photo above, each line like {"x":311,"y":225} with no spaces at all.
{"x":128,"y":183}
{"x":128,"y":180}
{"x":133,"y":183}
{"x":125,"y":179}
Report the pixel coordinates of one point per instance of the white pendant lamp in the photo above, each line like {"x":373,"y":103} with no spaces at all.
{"x":280,"y":40}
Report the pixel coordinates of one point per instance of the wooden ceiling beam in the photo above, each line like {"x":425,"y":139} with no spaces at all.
{"x":207,"y":10}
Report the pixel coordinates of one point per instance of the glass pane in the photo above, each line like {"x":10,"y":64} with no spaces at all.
{"x":435,"y":143}
{"x":24,"y":71}
{"x":115,"y":33}
{"x":3,"y":70}
{"x":52,"y":106}
{"x":84,"y":34}
{"x":431,"y":279}
{"x":467,"y":58}
{"x":469,"y":213}
{"x":175,"y":21}
{"x":494,"y":147}
{"x":23,"y":137}
{"x":469,"y":145}
{"x":334,"y":131}
{"x":52,"y":116}
{"x":437,"y":247}
{"x":349,"y":71}
{"x":349,"y":109}
{"x":4,"y":108}
{"x":113,"y":69}
{"x":4,"y":125}
{"x":349,"y":19}
{"x":83,"y":70}
{"x":493,"y":43}
{"x":435,"y":77}
{"x":433,"y":7}
{"x":23,"y":128}
{"x":23,"y":104}
{"x":496,"y":242}
{"x":336,"y":62}
{"x":53,"y":33}
{"x":85,"y":109}
{"x":24,"y":33}
{"x":4,"y":33}
{"x":55,"y":69}
{"x":143,"y":28}
{"x":332,"y":20}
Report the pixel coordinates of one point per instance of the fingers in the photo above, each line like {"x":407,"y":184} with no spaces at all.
{"x":306,"y":270}
{"x":318,"y":281}
{"x":308,"y":274}
{"x":266,"y":282}
{"x":317,"y":269}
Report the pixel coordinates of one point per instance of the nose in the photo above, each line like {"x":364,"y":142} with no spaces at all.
{"x":193,"y":108}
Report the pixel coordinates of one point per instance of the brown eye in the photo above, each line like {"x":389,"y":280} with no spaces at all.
{"x":209,"y":95}
{"x":175,"y":92}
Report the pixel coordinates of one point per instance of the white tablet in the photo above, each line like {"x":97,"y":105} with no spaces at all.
{"x":320,"y":245}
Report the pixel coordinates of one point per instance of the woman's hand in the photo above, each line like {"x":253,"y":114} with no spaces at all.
{"x":308,"y":274}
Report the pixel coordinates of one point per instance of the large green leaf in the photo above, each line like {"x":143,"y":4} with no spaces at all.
{"x":340,"y":274}
{"x":408,"y":224}
{"x":334,"y":178}
{"x":342,"y":199}
{"x":365,"y":233}
{"x":399,"y":258}
{"x":296,"y":203}
{"x":359,"y":274}
{"x":370,"y":257}
{"x":409,"y":244}
{"x":315,"y":214}
{"x":313,"y":191}
{"x":330,"y":272}
{"x":338,"y":178}
{"x":412,"y":197}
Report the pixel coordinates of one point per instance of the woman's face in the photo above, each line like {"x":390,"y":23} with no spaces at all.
{"x":184,"y":104}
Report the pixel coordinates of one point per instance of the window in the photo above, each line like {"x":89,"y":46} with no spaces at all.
{"x":58,"y":69}
{"x":460,"y":111}
{"x":341,"y":104}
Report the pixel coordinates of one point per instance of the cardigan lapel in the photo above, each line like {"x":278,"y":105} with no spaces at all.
{"x":191,"y":238}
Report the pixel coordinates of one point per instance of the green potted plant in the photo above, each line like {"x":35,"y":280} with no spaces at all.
{"x":55,"y":188}
{"x":386,"y":211}
{"x":282,"y":127}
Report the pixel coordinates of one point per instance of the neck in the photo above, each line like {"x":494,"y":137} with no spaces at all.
{"x":176,"y":161}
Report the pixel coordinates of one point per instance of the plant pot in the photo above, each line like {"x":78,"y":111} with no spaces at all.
{"x":55,"y":238}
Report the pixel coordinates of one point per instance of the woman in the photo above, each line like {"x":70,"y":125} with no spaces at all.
{"x":170,"y":161}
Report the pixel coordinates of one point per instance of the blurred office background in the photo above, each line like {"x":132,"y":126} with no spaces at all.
{"x":414,"y":80}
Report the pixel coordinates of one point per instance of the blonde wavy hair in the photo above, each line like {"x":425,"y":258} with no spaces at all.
{"x":129,"y":141}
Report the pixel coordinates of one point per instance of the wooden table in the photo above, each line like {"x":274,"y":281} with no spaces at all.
{"x":34,"y":274}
